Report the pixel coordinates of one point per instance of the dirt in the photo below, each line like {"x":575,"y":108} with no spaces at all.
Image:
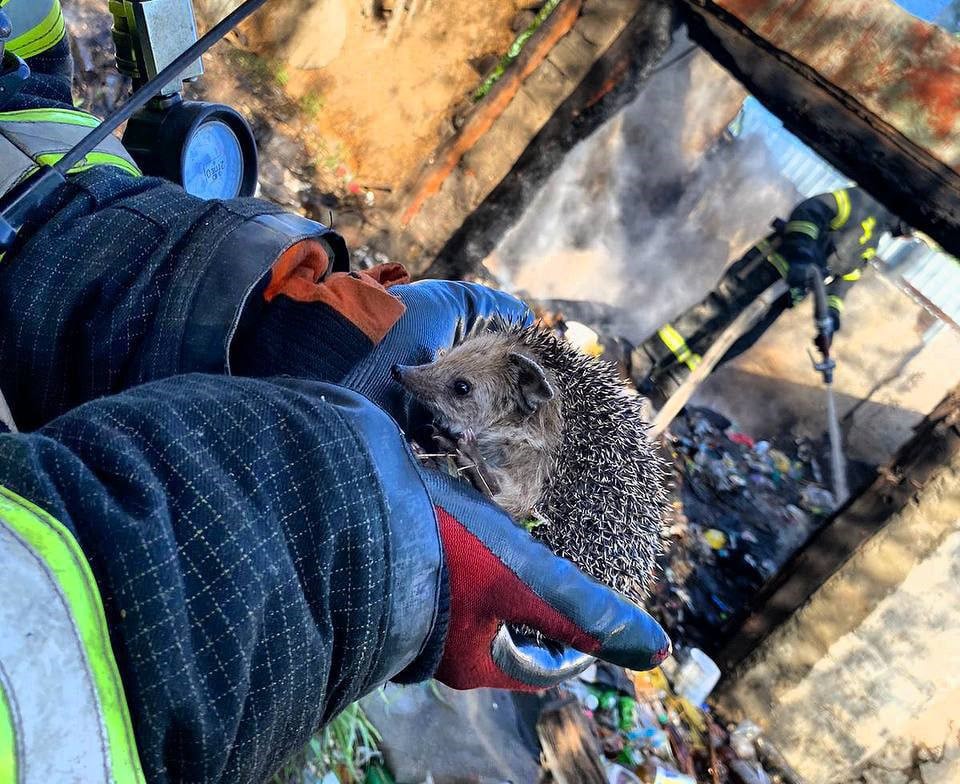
{"x":395,"y":76}
{"x":386,"y":101}
{"x":344,"y":137}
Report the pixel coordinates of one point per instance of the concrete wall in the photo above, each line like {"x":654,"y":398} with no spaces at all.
{"x":862,"y":684}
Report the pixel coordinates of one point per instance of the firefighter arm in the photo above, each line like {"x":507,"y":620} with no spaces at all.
{"x":266,"y":553}
{"x":806,"y":240}
{"x":837,"y":291}
{"x":40,"y":38}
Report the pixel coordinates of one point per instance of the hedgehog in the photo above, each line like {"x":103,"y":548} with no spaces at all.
{"x":556,"y":436}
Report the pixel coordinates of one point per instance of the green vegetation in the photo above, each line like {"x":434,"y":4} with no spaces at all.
{"x":515,"y":48}
{"x":260,"y":70}
{"x":311,"y":105}
{"x":345,"y":747}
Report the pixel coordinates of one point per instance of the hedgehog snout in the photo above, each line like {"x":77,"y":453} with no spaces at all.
{"x":397,"y":372}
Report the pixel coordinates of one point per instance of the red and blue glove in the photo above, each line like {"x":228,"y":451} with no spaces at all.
{"x":498,"y":575}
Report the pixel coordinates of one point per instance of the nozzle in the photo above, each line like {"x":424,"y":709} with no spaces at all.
{"x":824,"y":366}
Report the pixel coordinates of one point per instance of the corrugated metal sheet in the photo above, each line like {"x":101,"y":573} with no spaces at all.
{"x":935,"y":275}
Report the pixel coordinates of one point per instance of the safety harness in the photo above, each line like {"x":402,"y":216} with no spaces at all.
{"x":31,"y":138}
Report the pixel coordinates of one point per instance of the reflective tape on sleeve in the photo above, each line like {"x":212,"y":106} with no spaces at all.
{"x":868,"y":225}
{"x":674,"y":341}
{"x":76,"y":727}
{"x":843,"y":209}
{"x":30,"y":138}
{"x":855,"y":275}
{"x":779,"y":263}
{"x":803,"y":227}
{"x":37,"y":26}
{"x":835,"y":302}
{"x":9,"y":755}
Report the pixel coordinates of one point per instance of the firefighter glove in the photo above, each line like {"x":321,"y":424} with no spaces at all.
{"x":798,"y":278}
{"x":835,"y":317}
{"x":498,"y":574}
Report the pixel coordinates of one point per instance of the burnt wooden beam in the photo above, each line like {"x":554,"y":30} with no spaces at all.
{"x":871,"y":88}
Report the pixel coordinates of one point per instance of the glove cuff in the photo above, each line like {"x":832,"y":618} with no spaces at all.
{"x":301,"y":339}
{"x":426,"y":664}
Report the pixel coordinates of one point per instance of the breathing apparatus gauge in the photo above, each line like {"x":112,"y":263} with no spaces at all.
{"x":207,"y":148}
{"x":31,"y":194}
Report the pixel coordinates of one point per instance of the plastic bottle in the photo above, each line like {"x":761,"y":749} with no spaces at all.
{"x":657,"y":742}
{"x":697,"y":677}
{"x":628,"y":713}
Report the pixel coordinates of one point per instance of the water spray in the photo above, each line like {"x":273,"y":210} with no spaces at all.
{"x":825,"y":366}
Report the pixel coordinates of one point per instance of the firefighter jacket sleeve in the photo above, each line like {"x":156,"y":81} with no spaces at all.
{"x":266,"y":553}
{"x":129,"y":279}
{"x":40,"y":38}
{"x":806,"y":239}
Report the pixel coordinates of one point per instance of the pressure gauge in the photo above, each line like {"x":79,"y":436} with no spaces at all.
{"x":207,"y":148}
{"x":213,"y":162}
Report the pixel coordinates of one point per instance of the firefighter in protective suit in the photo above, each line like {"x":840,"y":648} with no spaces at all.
{"x":834,"y":233}
{"x":213,"y":536}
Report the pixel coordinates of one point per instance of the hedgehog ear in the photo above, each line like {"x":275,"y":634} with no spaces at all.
{"x":532,"y":380}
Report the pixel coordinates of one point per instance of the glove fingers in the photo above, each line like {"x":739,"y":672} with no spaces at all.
{"x":523,"y":582}
{"x":588,"y":616}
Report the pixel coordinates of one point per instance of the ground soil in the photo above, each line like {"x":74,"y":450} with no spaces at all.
{"x":347,"y":136}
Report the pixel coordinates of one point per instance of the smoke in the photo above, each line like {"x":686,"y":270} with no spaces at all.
{"x":646,"y":213}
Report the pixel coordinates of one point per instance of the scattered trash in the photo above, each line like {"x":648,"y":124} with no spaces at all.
{"x":716,"y":539}
{"x":697,"y":677}
{"x":744,"y":506}
{"x":648,"y":732}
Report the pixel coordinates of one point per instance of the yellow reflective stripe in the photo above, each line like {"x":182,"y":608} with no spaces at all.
{"x":57,"y":548}
{"x":95,"y":158}
{"x":835,"y":302}
{"x":855,"y":275}
{"x":868,"y":254}
{"x":8,"y":740}
{"x":674,"y":341}
{"x":61,"y":116}
{"x":779,"y":263}
{"x":803,"y":227}
{"x":44,"y":36}
{"x":843,"y":209}
{"x":868,"y":225}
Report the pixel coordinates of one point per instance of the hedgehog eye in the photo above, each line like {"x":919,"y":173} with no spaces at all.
{"x":462,"y":387}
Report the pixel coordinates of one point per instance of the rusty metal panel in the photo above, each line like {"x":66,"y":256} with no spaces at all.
{"x":873,"y":89}
{"x":902,"y":69}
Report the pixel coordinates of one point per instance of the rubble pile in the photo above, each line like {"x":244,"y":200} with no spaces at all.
{"x":649,"y":732}
{"x":742,"y":508}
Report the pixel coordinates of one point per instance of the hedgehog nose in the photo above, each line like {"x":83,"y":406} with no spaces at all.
{"x":397,"y":372}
